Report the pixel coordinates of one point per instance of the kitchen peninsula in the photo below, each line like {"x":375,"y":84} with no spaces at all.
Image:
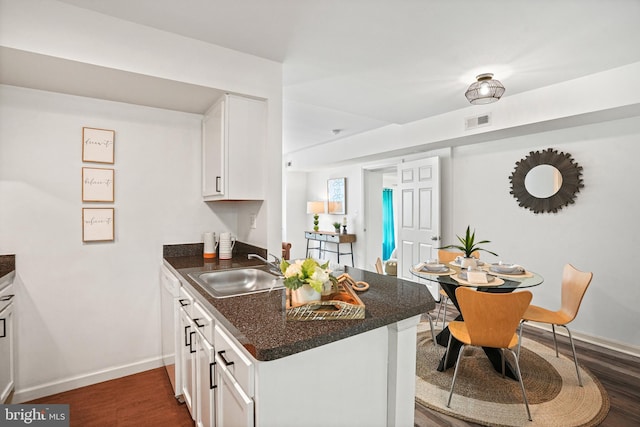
{"x":327,"y":372}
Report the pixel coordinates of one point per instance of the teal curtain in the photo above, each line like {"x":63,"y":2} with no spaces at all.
{"x":388,"y":232}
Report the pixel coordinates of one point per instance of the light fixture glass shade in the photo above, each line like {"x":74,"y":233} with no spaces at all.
{"x":485,"y":91}
{"x":315,"y":207}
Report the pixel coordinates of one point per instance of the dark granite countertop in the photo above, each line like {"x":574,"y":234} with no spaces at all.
{"x":259,"y":323}
{"x":7,"y":265}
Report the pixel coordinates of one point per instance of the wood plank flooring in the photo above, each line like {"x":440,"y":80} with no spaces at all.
{"x":146,"y":399}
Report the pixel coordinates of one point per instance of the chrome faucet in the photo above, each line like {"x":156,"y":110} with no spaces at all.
{"x":274,"y":265}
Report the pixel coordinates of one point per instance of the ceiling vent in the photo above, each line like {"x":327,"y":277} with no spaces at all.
{"x":477,"y":121}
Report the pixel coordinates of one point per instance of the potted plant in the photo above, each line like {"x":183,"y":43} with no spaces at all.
{"x":307,"y":278}
{"x":336,"y":225}
{"x":468,"y":246}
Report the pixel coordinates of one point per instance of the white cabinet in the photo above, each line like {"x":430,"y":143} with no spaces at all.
{"x":170,"y":324}
{"x":206,"y":383}
{"x":188,"y":352}
{"x":235,"y":383}
{"x":7,"y":331}
{"x":234,"y":135}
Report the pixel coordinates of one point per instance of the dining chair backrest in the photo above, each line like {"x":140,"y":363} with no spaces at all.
{"x":574,"y":286}
{"x":492,"y":318}
{"x":379,"y":268}
{"x":446,"y":257}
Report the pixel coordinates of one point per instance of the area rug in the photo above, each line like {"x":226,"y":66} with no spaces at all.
{"x":482,"y":396}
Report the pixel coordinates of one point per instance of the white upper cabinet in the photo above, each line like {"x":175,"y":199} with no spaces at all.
{"x":234,"y":135}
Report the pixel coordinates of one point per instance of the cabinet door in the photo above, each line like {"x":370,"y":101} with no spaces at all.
{"x":188,"y":362}
{"x":7,"y":360}
{"x":206,"y":383}
{"x":213,"y":151}
{"x":235,"y":408}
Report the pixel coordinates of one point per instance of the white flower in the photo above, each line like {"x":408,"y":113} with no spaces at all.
{"x":294,"y":269}
{"x":320,"y":275}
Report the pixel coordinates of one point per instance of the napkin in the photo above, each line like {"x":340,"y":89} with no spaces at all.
{"x":508,"y":268}
{"x":474,"y":276}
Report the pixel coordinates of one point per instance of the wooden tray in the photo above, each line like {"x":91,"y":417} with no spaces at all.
{"x":343,"y":304}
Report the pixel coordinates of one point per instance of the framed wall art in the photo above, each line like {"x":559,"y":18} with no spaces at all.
{"x":97,"y":145}
{"x":97,"y":224}
{"x":97,"y":185}
{"x":336,"y":196}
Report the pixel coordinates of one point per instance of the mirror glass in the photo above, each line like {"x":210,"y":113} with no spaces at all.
{"x":543,"y":181}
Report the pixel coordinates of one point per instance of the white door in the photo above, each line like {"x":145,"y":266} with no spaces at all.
{"x":419,"y":216}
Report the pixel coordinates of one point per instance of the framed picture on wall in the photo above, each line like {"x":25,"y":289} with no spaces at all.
{"x":97,"y":185}
{"x":336,"y":196}
{"x":97,"y":224}
{"x":97,"y":145}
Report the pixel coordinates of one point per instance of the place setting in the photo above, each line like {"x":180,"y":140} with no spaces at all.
{"x":508,"y":270}
{"x":432,"y":267}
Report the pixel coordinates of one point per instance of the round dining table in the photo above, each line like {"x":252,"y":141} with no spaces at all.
{"x":451,"y":280}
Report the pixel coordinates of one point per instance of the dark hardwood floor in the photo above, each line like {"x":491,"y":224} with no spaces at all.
{"x":145,"y":399}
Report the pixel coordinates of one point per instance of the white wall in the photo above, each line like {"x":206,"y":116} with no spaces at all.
{"x":598,"y":233}
{"x":89,"y":307}
{"x":89,"y":312}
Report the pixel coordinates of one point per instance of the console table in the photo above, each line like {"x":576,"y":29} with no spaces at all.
{"x":324,"y":237}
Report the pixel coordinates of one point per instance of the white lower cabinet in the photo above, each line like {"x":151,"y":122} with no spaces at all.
{"x":187,"y":332}
{"x":235,"y":382}
{"x":235,"y":407}
{"x":206,"y":387}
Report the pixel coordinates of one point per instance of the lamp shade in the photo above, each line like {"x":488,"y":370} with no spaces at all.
{"x":485,"y":91}
{"x":315,"y":207}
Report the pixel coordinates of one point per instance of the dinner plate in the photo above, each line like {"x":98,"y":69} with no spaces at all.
{"x":507,"y":268}
{"x":463,"y":276}
{"x":431,"y":268}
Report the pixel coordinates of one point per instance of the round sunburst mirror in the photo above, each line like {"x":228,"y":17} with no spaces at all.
{"x":545,"y":181}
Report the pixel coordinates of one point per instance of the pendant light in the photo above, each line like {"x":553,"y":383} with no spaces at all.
{"x":485,"y":91}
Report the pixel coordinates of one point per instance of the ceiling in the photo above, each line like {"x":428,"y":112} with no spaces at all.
{"x":356,"y":65}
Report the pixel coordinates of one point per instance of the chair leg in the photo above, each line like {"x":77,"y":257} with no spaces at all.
{"x":520,"y":337}
{"x":444,"y":315}
{"x":575,"y":356}
{"x":455,"y":372}
{"x":555,"y":340}
{"x":446,"y":353}
{"x":503,"y":361}
{"x":433,"y":333}
{"x":524,"y":394}
{"x":443,"y":302}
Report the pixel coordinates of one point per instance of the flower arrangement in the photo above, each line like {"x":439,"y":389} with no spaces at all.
{"x":306,"y":272}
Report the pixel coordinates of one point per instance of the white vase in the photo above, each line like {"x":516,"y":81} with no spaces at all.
{"x":468,"y":262}
{"x":305,"y":294}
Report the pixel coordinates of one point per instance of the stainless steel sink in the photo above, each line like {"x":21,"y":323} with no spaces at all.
{"x":231,"y":283}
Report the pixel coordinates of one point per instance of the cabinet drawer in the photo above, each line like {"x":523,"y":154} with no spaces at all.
{"x":186,"y":301}
{"x":203,"y":321}
{"x":332,"y":239}
{"x":232,"y":359}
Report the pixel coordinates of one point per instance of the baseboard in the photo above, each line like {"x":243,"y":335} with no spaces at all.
{"x":47,"y":389}
{"x":600,"y":342}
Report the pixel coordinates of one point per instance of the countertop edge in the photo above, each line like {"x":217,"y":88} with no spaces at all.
{"x":268,"y":353}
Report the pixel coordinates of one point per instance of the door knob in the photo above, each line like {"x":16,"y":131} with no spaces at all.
{"x":435,"y":238}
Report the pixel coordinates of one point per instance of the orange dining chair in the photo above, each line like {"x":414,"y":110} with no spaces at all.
{"x":379,"y":268}
{"x":445,"y":257}
{"x":490,"y":320}
{"x":574,"y":285}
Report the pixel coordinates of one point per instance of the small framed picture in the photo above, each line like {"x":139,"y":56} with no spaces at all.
{"x":97,"y":224}
{"x":97,"y":145}
{"x":97,"y":185}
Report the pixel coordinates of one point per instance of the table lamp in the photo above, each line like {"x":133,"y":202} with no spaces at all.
{"x":315,"y":208}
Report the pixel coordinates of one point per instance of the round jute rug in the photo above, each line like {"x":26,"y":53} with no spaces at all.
{"x":482,"y":396}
